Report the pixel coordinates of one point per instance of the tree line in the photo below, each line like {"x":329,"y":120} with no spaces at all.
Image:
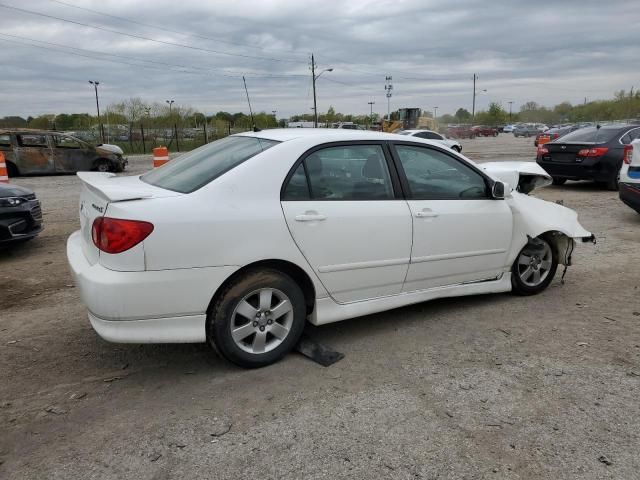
{"x":134,"y":111}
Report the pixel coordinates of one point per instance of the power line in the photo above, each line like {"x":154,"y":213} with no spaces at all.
{"x":141,"y":37}
{"x":161,"y":27}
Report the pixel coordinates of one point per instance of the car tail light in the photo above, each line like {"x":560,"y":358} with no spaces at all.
{"x":542,"y":150}
{"x":628,"y":152}
{"x":114,"y":235}
{"x":593,"y":152}
{"x":556,"y":135}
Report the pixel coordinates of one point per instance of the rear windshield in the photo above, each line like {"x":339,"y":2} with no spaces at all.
{"x":591,"y":135}
{"x":195,"y":169}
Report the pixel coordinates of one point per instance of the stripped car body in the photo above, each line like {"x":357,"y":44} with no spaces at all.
{"x":41,"y":152}
{"x":356,"y":233}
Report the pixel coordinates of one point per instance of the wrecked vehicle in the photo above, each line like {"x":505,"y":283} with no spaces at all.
{"x":240,"y":242}
{"x":40,"y":152}
{"x":20,"y":214}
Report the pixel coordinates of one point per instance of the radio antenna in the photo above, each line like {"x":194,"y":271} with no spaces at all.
{"x":253,"y":123}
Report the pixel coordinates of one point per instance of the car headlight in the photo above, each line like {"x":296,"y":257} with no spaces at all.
{"x":11,"y":201}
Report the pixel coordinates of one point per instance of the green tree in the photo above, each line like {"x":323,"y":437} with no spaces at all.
{"x":463,"y":115}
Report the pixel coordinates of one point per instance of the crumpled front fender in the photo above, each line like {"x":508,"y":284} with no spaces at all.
{"x":534,"y":217}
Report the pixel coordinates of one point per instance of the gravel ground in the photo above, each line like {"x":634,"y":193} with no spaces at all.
{"x":491,"y":386}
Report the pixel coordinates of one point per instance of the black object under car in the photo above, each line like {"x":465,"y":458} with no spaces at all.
{"x":20,"y":214}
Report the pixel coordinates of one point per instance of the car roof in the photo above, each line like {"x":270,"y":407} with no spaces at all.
{"x":417,"y":130}
{"x":321,"y":134}
{"x":33,"y":131}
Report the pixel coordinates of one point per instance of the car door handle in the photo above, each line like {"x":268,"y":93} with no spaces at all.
{"x":426,"y":214}
{"x":310,"y":217}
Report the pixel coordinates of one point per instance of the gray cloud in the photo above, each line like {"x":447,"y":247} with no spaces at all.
{"x":521,"y":51}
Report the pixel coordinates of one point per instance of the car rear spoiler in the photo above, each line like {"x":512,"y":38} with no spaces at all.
{"x":521,"y":176}
{"x":119,"y":189}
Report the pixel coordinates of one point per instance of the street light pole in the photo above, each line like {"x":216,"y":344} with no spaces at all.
{"x":435,"y":113}
{"x":314,"y":77}
{"x":510,"y":104}
{"x":95,"y":86}
{"x":170,"y":102}
{"x":371,"y":104}
{"x":473,"y":107}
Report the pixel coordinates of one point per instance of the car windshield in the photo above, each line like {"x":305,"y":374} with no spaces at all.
{"x":195,"y":169}
{"x":591,"y":135}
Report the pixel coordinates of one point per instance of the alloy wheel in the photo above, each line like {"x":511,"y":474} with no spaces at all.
{"x":534,"y":266}
{"x":261,"y":320}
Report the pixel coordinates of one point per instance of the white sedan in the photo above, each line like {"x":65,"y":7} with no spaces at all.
{"x":240,"y":242}
{"x":431,"y":135}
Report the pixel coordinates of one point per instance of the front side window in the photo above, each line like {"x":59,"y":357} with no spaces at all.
{"x":62,"y":141}
{"x":433,"y":175}
{"x":349,"y":172}
{"x":195,"y":169}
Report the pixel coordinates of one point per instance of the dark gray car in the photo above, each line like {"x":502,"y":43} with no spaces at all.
{"x":38,"y":152}
{"x":20,"y":214}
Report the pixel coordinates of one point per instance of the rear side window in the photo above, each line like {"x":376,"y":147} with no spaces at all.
{"x":349,"y":172}
{"x":592,"y":135}
{"x":631,"y":136}
{"x":32,"y":140}
{"x":5,"y":140}
{"x":195,"y":169}
{"x":429,"y":135}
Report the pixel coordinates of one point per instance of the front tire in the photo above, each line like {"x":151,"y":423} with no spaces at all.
{"x":257,"y":319}
{"x":534,"y":267}
{"x":103,"y":166}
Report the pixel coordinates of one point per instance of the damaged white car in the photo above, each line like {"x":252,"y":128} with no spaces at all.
{"x":240,"y":242}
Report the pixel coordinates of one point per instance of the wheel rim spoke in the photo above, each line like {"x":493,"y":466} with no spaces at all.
{"x":265,"y":299}
{"x":524,"y":259}
{"x":526,"y":274}
{"x":240,"y":333}
{"x":281,"y":309}
{"x":536,"y":276}
{"x":545,"y":265}
{"x":245,"y":309}
{"x":259,"y":342}
{"x":279,"y":331}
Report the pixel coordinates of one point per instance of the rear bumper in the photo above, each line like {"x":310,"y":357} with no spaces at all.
{"x":147,"y":306}
{"x":599,"y":171}
{"x":630,"y":195}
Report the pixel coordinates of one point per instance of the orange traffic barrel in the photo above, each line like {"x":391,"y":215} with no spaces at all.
{"x":160,"y":156}
{"x":4,"y":174}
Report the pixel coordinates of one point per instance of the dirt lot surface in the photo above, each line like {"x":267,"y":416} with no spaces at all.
{"x":492,"y":386}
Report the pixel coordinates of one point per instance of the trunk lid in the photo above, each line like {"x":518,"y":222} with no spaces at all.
{"x":101,"y":189}
{"x":565,"y":152}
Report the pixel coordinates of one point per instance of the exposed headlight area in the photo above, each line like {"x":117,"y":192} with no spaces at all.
{"x":12,"y":201}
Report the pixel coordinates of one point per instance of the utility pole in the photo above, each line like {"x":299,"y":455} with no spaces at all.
{"x":314,"y":77}
{"x":435,"y":113}
{"x":95,"y":86}
{"x":170,"y":102}
{"x":371,"y":104}
{"x":473,"y":107}
{"x":315,"y":106}
{"x":388,"y":87}
{"x":510,"y":105}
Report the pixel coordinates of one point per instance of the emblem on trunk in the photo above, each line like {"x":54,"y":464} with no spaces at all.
{"x":100,"y":209}
{"x":563,"y":147}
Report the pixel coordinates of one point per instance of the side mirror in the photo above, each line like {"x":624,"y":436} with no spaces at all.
{"x":498,"y":190}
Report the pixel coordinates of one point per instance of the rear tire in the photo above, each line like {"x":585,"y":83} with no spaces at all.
{"x":559,"y":181}
{"x":257,"y":319}
{"x":533,"y":270}
{"x":12,"y":170}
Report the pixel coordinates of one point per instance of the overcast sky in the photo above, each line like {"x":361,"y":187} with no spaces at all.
{"x":521,"y":50}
